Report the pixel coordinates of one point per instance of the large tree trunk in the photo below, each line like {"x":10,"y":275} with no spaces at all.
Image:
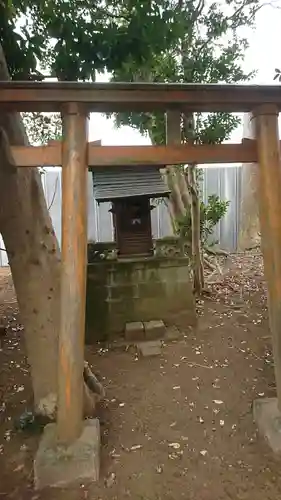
{"x":177,"y":205}
{"x":183,"y":189}
{"x":249,"y":227}
{"x":34,"y":258}
{"x":197,"y":257}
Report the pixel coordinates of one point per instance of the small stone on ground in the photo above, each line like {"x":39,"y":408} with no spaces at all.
{"x":150,"y":348}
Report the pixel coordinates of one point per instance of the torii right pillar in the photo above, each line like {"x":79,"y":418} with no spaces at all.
{"x":267,"y":411}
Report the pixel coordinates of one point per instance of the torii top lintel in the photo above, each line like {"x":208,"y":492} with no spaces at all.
{"x":114,"y":97}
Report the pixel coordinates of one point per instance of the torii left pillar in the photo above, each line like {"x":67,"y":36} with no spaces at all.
{"x":71,"y":437}
{"x":267,"y":411}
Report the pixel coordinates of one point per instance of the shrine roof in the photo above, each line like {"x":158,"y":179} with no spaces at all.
{"x":122,"y":182}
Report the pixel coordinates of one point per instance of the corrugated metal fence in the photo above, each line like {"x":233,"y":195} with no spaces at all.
{"x":225,"y":182}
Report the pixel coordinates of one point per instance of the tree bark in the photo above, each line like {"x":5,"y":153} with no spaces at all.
{"x":183,"y":189}
{"x":34,"y":258}
{"x":197,"y":257}
{"x":176,"y":180}
{"x":198,"y":268}
{"x":178,"y":208}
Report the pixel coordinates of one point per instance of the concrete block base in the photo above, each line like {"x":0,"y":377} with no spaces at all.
{"x":268,"y":419}
{"x":134,"y":331}
{"x":173,"y":333}
{"x":58,"y":466}
{"x":154,"y":329}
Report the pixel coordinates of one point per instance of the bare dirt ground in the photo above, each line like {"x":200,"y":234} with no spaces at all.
{"x":175,"y":426}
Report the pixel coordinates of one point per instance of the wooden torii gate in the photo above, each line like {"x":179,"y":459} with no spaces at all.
{"x":75,"y":101}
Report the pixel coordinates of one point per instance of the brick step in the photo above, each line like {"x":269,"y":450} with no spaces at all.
{"x":147,"y":330}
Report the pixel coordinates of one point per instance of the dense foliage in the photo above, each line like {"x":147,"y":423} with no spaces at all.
{"x":209,"y":48}
{"x":74,"y":40}
{"x":149,"y":40}
{"x":210,"y":214}
{"x":42,"y":127}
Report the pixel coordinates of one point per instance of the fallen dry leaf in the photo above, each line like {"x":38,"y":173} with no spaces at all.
{"x":136,"y":447}
{"x":203,"y":452}
{"x":176,"y":446}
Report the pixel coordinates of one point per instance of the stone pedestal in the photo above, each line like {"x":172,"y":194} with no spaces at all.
{"x":60,"y":466}
{"x":134,"y":291}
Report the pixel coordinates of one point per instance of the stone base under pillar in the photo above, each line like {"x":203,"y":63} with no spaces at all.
{"x":59,"y":466}
{"x":268,"y":419}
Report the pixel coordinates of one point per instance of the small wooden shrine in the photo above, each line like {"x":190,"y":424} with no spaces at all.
{"x":130,"y":190}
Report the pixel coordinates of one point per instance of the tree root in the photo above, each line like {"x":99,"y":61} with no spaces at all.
{"x":211,"y":251}
{"x":209,"y":265}
{"x":215,"y":268}
{"x":93,"y":391}
{"x":254,"y":247}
